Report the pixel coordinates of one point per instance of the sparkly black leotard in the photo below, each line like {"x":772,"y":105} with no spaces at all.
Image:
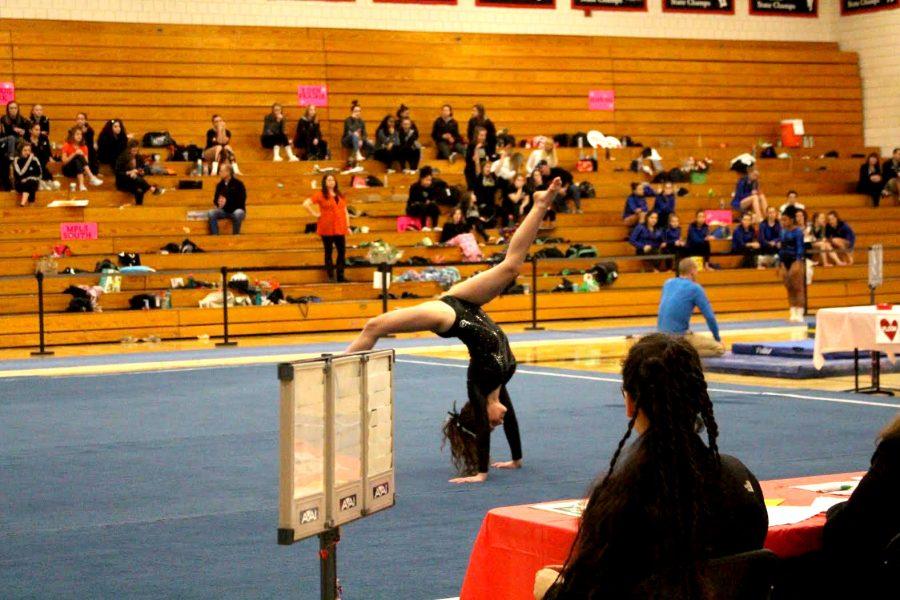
{"x":491,"y":366}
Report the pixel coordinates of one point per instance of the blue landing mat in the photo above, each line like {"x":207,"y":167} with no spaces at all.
{"x":791,"y":349}
{"x":787,"y":368}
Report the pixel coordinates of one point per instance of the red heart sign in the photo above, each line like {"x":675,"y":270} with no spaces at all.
{"x":889,"y":328}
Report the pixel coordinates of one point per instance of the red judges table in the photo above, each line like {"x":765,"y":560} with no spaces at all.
{"x":516,"y":541}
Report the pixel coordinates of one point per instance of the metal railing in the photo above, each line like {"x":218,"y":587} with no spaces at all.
{"x":386,"y":270}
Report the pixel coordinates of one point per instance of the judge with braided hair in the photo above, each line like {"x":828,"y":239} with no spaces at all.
{"x":669,"y":499}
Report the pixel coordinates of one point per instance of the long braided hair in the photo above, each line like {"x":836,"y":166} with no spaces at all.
{"x":645,"y":525}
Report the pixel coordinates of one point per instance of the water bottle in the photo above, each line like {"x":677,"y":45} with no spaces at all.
{"x":721,"y":203}
{"x":199,"y":170}
{"x":167,"y":300}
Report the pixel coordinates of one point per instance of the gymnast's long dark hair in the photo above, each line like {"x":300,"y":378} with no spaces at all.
{"x":460,"y":432}
{"x":645,"y":525}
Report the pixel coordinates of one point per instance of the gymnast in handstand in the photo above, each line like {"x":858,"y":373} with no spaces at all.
{"x":458,"y":314}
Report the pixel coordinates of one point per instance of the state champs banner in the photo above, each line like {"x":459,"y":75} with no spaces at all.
{"x":785,"y":8}
{"x":720,"y":7}
{"x":589,"y":5}
{"x":855,"y":7}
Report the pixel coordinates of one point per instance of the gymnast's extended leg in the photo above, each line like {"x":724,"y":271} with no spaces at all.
{"x":487,"y":285}
{"x":429,"y":316}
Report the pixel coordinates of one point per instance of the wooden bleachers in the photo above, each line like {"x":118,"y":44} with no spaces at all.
{"x":695,"y":98}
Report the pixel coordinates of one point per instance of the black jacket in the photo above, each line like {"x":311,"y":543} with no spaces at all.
{"x":41,"y":149}
{"x":211,"y":138}
{"x":27,"y":169}
{"x":890,"y":170}
{"x":235,"y":194}
{"x":491,"y":141}
{"x":441,"y":127}
{"x":43,"y":121}
{"x":7,"y":125}
{"x":109,"y":147}
{"x":858,"y":530}
{"x":865,"y":185}
{"x":307,"y":131}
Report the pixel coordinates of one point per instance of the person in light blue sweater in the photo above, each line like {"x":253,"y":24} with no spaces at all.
{"x":680,"y":296}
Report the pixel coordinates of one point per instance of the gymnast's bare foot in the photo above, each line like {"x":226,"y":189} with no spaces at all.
{"x":480,"y":478}
{"x":508,"y":464}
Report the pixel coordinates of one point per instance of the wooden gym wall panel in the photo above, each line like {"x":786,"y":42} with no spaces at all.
{"x":180,"y":75}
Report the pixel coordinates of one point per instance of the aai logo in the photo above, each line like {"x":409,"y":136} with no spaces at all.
{"x":348,"y":502}
{"x":309,"y":515}
{"x":380,"y":490}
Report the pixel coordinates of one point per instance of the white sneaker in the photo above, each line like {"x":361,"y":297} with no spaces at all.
{"x":350,"y":171}
{"x":82,"y":188}
{"x":359,"y":157}
{"x":235,"y":168}
{"x":277,"y":158}
{"x":214,"y":168}
{"x":43,"y":185}
{"x":95,"y":181}
{"x":390,"y":171}
{"x":452,"y":158}
{"x":426,"y":229}
{"x":55,"y":184}
{"x":291,"y":156}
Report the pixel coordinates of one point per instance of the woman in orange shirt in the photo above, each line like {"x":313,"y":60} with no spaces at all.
{"x":75,"y":159}
{"x":334,"y":220}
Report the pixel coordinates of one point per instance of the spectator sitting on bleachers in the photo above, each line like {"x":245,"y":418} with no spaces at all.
{"x":446,"y":136}
{"x":129,"y":174}
{"x":354,"y":137}
{"x":747,"y":196}
{"x":13,"y":128}
{"x":454,"y":226}
{"x":744,"y":241}
{"x":698,"y":238}
{"x":112,"y":141}
{"x":308,"y":136}
{"x":478,"y":119}
{"x":890,"y":172}
{"x":636,"y":204}
{"x":664,"y":205}
{"x":230,"y":201}
{"x":38,"y":117}
{"x":792,"y":201}
{"x":840,"y":236}
{"x":273,"y":134}
{"x":486,"y":190}
{"x":647,"y":238}
{"x":410,"y":150}
{"x":474,"y":219}
{"x":672,"y":242}
{"x":387,"y":143}
{"x":422,"y":201}
{"x":403,"y":112}
{"x":218,"y":147}
{"x":535,"y":183}
{"x":871,"y":182}
{"x":75,"y":159}
{"x":26,"y":174}
{"x":81,"y":121}
{"x":770,"y":232}
{"x":546,"y":151}
{"x":40,"y":147}
{"x":476,"y":157}
{"x":814,"y":233}
{"x":569,"y":190}
{"x":507,"y":163}
{"x":514,"y":200}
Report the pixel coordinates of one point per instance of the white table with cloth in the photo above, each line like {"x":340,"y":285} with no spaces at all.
{"x":858,"y":328}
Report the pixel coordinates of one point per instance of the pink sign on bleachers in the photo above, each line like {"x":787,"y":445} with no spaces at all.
{"x":7,"y":92}
{"x":312,"y":95}
{"x":602,"y":100}
{"x":718,"y":217}
{"x":78,"y":231}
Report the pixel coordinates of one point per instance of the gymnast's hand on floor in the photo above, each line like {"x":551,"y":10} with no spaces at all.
{"x":508,"y":464}
{"x":479,"y":478}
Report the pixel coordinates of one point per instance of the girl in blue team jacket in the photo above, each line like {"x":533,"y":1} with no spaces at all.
{"x":840,"y":236}
{"x":698,"y":238}
{"x":793,"y":263}
{"x":647,"y":238}
{"x":744,"y":241}
{"x":672,"y":242}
